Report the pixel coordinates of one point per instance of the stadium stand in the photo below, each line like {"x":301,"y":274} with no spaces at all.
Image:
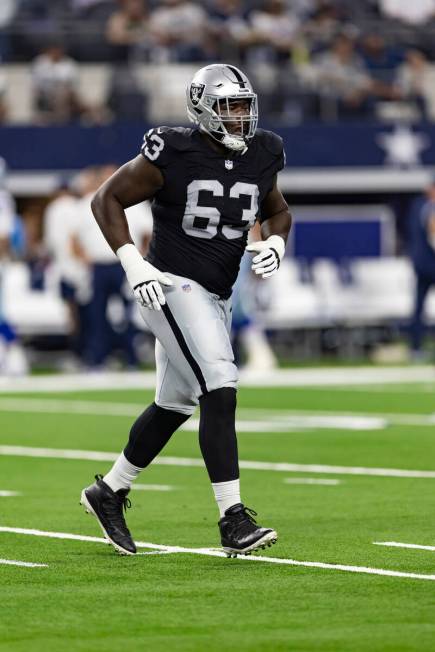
{"x":349,"y":86}
{"x":310,"y":59}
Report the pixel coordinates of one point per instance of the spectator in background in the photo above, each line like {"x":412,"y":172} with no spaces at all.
{"x":12,"y":357}
{"x":8,"y":9}
{"x":178,"y":31}
{"x":416,"y":12}
{"x":229,"y":28}
{"x":107,"y":278}
{"x":322,"y":25}
{"x":70,"y":274}
{"x":126,"y":97}
{"x":36,"y":23}
{"x":54,"y":78}
{"x":34,"y":253}
{"x":381,"y":63}
{"x":127,"y":28}
{"x":421,"y":239}
{"x":343,"y":80}
{"x":273,"y":32}
{"x":415,"y":80}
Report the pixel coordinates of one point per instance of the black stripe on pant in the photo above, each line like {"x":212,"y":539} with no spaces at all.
{"x":184,"y":348}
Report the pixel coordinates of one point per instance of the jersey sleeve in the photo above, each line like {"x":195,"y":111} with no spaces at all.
{"x":156,"y":147}
{"x":280,"y":161}
{"x":274,"y":161}
{"x":275,"y":148}
{"x":163,"y":145}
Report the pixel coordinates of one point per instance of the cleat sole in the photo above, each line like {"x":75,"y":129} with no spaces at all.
{"x":267,"y":540}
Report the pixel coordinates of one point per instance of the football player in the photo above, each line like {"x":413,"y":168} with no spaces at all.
{"x":209,"y":185}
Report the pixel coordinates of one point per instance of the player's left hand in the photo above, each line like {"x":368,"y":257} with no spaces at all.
{"x":270,"y":253}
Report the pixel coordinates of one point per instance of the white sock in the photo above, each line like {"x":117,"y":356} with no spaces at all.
{"x":122,"y":474}
{"x":227,"y":494}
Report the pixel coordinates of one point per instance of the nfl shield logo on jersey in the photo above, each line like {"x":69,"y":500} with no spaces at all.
{"x":186,"y":287}
{"x":229,"y":164}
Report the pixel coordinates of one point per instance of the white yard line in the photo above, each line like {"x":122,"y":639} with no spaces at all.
{"x":212,"y":552}
{"x":389,"y":388}
{"x":249,"y":420}
{"x":275,"y":421}
{"x":316,"y":481}
{"x":27,"y":564}
{"x":339,"y":376}
{"x":57,"y":453}
{"x":101,"y":456}
{"x":8,"y":494}
{"x":152,"y":487}
{"x":276,"y":378}
{"x":155,"y":552}
{"x":397,"y":544}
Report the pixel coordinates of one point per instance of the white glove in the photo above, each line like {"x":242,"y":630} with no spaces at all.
{"x":270,"y":253}
{"x":145,"y":280}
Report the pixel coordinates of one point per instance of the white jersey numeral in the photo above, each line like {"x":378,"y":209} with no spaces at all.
{"x":193,"y":210}
{"x":210,"y":215}
{"x":248,"y":214}
{"x":152,"y":140}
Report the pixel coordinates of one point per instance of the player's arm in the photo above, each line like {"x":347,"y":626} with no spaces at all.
{"x":134,"y":182}
{"x":275,"y":227}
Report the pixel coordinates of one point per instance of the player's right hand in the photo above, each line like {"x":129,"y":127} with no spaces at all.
{"x":149,"y":293}
{"x":145,"y":280}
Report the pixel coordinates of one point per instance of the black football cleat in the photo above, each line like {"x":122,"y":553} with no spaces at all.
{"x":240,"y":533}
{"x":107,"y":507}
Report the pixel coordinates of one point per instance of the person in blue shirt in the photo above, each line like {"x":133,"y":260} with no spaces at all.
{"x":421,"y":232}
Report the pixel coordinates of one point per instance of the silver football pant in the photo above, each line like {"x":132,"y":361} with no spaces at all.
{"x":193,"y":348}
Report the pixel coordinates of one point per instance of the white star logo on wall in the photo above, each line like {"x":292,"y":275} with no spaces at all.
{"x":403,"y":146}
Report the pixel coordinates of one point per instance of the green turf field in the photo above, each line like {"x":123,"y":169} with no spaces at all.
{"x":88,"y":598}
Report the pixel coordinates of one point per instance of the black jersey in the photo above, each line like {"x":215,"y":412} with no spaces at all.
{"x":208,"y":203}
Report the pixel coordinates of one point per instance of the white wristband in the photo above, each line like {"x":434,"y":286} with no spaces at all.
{"x":132,"y":262}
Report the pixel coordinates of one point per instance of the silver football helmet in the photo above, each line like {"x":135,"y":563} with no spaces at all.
{"x":220,"y":99}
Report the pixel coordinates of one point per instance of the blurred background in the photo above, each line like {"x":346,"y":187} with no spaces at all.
{"x":350,"y":87}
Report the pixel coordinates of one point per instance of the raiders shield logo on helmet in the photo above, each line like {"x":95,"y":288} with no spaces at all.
{"x":196,"y":91}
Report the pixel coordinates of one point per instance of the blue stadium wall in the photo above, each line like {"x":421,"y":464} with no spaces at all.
{"x":74,"y":147}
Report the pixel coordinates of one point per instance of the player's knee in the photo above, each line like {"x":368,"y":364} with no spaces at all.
{"x":182,"y":408}
{"x":156,"y":418}
{"x":221,"y":402}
